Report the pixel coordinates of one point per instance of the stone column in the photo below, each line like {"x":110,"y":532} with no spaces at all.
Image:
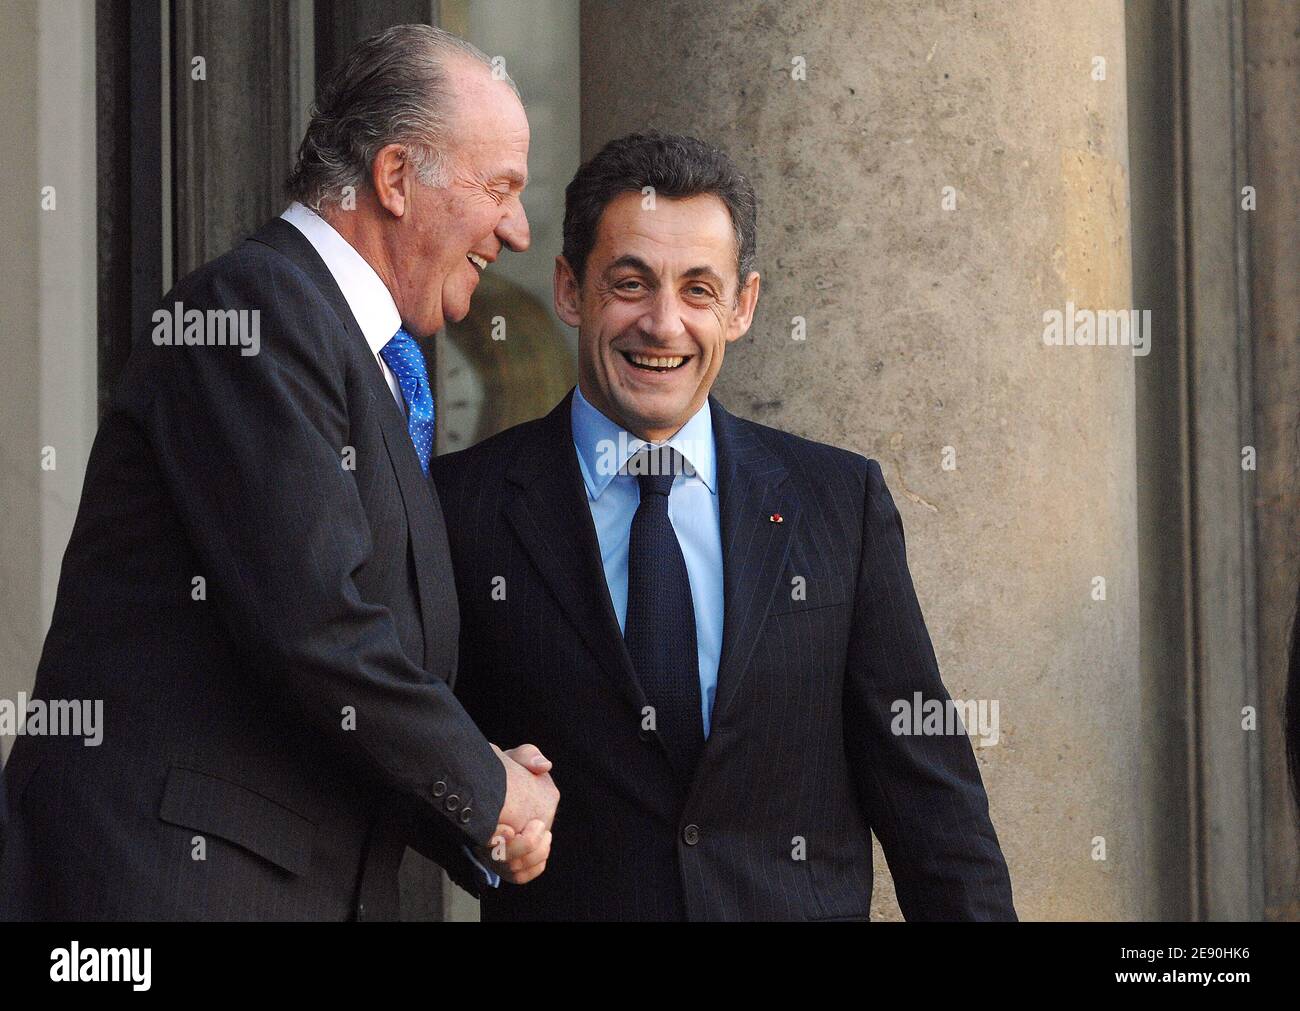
{"x":933,"y":181}
{"x":47,"y":313}
{"x":1272,"y":52}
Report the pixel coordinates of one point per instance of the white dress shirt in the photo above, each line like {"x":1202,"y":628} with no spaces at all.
{"x":367,"y":296}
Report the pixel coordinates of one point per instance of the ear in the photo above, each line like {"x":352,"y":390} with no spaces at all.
{"x":568,"y":297}
{"x":746,"y":302}
{"x":390,"y":178}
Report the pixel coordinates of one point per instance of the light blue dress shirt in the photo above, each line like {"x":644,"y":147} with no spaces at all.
{"x":613,"y":496}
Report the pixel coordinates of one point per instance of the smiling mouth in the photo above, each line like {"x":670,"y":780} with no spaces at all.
{"x":479,"y":263}
{"x":655,"y":363}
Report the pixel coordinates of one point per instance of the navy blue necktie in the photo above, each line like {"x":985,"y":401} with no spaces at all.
{"x":660,"y":626}
{"x":407,"y":362}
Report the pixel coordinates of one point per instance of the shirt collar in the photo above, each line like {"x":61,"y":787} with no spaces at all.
{"x":367,"y":296}
{"x":603,"y":447}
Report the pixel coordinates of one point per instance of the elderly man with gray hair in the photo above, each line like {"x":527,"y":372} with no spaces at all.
{"x":258,"y":585}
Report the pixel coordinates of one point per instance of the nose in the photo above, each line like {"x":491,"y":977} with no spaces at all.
{"x":513,"y":230}
{"x":662,"y":320}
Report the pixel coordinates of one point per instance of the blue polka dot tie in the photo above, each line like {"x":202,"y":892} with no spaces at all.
{"x":403,"y":356}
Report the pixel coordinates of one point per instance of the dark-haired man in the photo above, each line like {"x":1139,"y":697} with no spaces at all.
{"x":704,"y":622}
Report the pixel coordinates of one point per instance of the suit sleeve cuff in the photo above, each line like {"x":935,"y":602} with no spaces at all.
{"x":489,"y":878}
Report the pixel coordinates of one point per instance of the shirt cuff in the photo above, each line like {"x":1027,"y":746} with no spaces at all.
{"x":490,"y":878}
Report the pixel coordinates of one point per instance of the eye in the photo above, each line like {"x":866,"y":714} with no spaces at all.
{"x":628,"y":285}
{"x":700,"y":291}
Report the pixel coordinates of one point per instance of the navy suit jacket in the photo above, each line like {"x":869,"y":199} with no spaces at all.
{"x":801,"y":765}
{"x":297,"y":718}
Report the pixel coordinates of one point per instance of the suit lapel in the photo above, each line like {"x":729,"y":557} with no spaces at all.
{"x":422,"y":512}
{"x":752,"y":488}
{"x":550,"y":514}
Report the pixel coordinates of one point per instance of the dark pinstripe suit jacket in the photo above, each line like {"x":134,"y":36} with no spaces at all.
{"x":800,"y":761}
{"x":328,"y":593}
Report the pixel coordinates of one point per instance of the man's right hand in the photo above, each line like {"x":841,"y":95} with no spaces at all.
{"x":523,"y":837}
{"x":531,"y":794}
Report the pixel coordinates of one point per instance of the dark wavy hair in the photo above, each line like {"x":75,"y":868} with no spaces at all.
{"x":674,"y":165}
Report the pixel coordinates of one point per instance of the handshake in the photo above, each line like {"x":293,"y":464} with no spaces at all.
{"x":519,"y":847}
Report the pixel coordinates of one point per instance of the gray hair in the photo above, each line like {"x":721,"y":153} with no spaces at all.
{"x":391,"y":88}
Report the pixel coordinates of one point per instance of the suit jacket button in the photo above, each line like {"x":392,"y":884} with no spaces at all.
{"x":452,"y":802}
{"x":465,"y":816}
{"x":439,"y":788}
{"x":691,"y":835}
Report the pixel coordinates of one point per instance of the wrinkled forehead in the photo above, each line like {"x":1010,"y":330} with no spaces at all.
{"x":671,"y":235}
{"x":485,"y":116}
